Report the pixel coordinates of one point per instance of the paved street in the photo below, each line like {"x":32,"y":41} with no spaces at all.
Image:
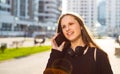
{"x":109,"y":46}
{"x":36,"y":63}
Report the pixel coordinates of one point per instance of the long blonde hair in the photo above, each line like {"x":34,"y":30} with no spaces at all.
{"x":87,"y":36}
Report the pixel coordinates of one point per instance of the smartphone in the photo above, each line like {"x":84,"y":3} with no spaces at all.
{"x":59,"y":39}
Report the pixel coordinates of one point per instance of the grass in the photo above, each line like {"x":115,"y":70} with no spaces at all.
{"x":10,"y":53}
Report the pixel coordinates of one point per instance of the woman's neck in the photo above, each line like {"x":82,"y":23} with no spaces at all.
{"x":78,"y":42}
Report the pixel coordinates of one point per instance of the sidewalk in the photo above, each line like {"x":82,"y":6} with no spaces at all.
{"x":109,"y":46}
{"x":34,"y":64}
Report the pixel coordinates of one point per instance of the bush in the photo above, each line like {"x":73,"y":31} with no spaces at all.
{"x":3,"y":47}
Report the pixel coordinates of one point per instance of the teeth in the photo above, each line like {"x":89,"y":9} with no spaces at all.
{"x":69,"y":33}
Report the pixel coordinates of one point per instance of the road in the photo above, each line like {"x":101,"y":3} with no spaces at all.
{"x":35,"y":64}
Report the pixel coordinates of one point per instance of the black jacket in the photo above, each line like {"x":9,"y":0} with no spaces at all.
{"x":79,"y":64}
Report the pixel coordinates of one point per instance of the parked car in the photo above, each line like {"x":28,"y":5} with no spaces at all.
{"x":118,"y":39}
{"x":39,"y":39}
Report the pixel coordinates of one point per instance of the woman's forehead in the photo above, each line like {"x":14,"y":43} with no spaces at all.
{"x":67,"y":17}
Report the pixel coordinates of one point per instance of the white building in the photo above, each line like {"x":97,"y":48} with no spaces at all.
{"x":85,"y":8}
{"x":113,"y":17}
{"x":28,"y":17}
{"x":47,"y":10}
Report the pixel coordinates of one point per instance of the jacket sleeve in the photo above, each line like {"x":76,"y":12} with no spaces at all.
{"x":103,"y":64}
{"x":54,"y":56}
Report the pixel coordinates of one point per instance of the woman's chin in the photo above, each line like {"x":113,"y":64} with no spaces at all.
{"x":71,"y":39}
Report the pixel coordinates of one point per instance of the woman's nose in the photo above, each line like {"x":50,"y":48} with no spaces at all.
{"x":67,"y":28}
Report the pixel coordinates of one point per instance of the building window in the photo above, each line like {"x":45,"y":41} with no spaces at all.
{"x":6,"y":27}
{"x":41,"y":18}
{"x":41,"y":6}
{"x":8,"y":1}
{"x":22,"y":7}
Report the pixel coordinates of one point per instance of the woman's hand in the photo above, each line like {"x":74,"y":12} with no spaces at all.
{"x":54,"y":44}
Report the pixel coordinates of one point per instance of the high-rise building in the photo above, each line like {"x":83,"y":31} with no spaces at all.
{"x":20,"y":17}
{"x":48,"y":10}
{"x":102,"y":12}
{"x":113,"y":17}
{"x":20,"y":8}
{"x":5,"y":17}
{"x":85,"y":8}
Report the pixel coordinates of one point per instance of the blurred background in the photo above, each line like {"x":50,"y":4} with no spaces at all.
{"x":28,"y":18}
{"x":23,"y":21}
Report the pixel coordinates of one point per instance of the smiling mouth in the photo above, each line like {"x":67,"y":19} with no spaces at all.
{"x":69,"y":33}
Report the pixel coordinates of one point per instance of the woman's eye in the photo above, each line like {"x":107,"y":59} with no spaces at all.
{"x":71,"y":23}
{"x":63,"y":27}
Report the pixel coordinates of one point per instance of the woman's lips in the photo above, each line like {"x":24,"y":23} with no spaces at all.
{"x":70,"y":34}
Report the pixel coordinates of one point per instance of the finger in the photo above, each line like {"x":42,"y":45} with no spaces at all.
{"x":63,"y":43}
{"x":53,"y":39}
{"x":61,"y":46}
{"x":54,"y":43}
{"x":55,"y":36}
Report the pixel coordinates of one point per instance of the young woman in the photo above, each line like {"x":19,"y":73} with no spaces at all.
{"x":77,"y":53}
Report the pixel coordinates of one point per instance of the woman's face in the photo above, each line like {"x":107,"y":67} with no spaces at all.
{"x":71,"y":28}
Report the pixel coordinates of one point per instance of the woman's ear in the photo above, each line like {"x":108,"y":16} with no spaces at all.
{"x":81,"y":28}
